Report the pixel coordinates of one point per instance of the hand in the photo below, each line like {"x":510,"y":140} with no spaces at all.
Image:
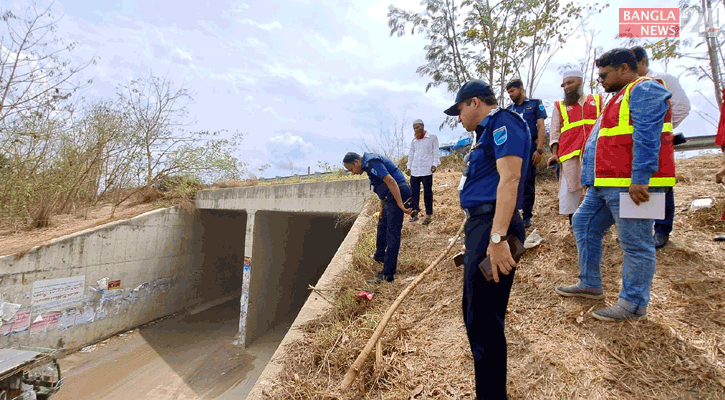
{"x":382,"y":210}
{"x":408,"y":211}
{"x":639,"y":193}
{"x":553,"y":158}
{"x":720,"y":175}
{"x":536,"y":158}
{"x":501,"y":259}
{"x":432,"y":169}
{"x":407,"y":172}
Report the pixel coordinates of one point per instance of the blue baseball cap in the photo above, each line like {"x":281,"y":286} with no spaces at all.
{"x":469,"y":90}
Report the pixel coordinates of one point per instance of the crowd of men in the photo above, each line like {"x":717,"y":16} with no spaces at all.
{"x":609,"y":154}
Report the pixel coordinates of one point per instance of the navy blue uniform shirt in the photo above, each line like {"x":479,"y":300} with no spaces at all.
{"x":377,"y":167}
{"x":530,"y":110}
{"x":501,"y":133}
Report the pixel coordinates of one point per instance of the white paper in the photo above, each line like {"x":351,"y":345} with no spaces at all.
{"x":652,"y":209}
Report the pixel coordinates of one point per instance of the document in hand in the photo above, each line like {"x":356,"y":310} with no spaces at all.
{"x":652,"y":209}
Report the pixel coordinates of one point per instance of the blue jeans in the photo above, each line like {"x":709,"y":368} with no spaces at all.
{"x":664,"y":226}
{"x":484,"y":307}
{"x":427,"y":182}
{"x":390,"y":226}
{"x":598,"y":211}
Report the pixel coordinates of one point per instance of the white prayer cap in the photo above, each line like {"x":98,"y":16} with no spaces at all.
{"x":418,"y":121}
{"x":573,"y":73}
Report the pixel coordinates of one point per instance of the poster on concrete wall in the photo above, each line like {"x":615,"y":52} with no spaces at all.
{"x":19,"y":323}
{"x":67,"y":319}
{"x":45,"y":322}
{"x":55,"y":294}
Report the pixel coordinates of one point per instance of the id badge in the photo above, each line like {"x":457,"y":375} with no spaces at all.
{"x":463,"y":182}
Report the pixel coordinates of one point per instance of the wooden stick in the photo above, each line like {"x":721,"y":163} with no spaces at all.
{"x":354,"y":369}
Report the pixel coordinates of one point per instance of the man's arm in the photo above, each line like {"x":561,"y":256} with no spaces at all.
{"x":509,"y":170}
{"x":436,"y":154}
{"x":395,"y":191}
{"x":410,"y":157}
{"x":648,"y":105}
{"x":720,"y":175}
{"x":555,"y":133}
{"x":680,"y":102}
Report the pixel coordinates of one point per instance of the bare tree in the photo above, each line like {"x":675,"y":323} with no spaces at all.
{"x":391,"y":144}
{"x":36,"y":76}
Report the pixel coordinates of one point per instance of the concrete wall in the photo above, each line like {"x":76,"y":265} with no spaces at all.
{"x":345,"y":196}
{"x":291,"y":251}
{"x":315,"y":306}
{"x":165,"y":260}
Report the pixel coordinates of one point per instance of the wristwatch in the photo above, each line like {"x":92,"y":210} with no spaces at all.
{"x":540,"y":151}
{"x":497,"y":238}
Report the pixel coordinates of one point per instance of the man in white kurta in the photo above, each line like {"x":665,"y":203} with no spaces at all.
{"x":570,"y":188}
{"x":423,"y":159}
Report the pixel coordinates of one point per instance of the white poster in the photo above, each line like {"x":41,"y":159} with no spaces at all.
{"x":55,"y":294}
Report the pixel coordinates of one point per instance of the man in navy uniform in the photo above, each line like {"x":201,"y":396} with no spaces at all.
{"x":490,"y":193}
{"x":534,"y":114}
{"x":394,"y":192}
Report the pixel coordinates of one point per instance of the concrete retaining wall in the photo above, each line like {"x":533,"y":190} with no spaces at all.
{"x":155,"y":265}
{"x":315,"y":306}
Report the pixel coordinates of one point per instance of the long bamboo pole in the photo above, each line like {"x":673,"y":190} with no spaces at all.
{"x":354,"y":369}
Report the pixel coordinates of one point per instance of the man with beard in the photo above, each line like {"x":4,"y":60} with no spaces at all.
{"x":680,"y":110}
{"x":628,"y":153}
{"x":534,"y":114}
{"x":571,"y":122}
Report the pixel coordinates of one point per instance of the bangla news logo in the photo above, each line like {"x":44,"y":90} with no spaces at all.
{"x":649,"y":22}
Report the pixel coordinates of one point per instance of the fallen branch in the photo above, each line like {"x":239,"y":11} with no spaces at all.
{"x":354,"y":369}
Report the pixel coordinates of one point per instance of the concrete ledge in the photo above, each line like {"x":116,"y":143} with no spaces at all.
{"x":315,"y":306}
{"x":345,"y":196}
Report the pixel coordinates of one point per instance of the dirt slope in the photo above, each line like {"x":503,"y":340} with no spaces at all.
{"x":556,"y":349}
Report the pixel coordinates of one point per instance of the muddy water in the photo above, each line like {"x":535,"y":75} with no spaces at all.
{"x":185,"y":357}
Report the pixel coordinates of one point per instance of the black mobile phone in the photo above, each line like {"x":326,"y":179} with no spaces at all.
{"x":458,"y":259}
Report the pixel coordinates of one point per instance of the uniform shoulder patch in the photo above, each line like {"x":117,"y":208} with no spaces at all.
{"x":541,"y":107}
{"x":500,"y":135}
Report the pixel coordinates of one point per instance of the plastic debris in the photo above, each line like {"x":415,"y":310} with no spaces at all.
{"x":700,"y":204}
{"x":89,"y":349}
{"x":533,"y":240}
{"x":8,"y":310}
{"x":367,"y":295}
{"x":410,"y":278}
{"x":103,"y":283}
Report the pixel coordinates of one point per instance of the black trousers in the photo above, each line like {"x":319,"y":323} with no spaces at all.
{"x":530,"y":188}
{"x":484,"y":307}
{"x":427,"y":181}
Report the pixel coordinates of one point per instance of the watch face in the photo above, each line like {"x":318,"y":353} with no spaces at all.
{"x":495,"y":238}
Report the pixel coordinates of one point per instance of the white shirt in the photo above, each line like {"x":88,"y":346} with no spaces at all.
{"x":423,"y":154}
{"x":680,"y":102}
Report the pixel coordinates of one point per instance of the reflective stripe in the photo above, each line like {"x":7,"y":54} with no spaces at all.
{"x":570,"y":155}
{"x":566,"y":125}
{"x":626,"y":182}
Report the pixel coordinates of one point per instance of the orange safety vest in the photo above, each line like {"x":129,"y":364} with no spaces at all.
{"x":613,"y":159}
{"x":577,"y":122}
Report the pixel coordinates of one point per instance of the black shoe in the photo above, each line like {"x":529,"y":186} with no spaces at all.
{"x":527,"y":223}
{"x":661,"y":240}
{"x":380,"y":278}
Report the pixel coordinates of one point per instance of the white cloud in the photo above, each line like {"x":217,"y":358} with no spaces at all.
{"x":182,"y":54}
{"x":276,"y":116}
{"x":350,"y":45}
{"x":289,"y":151}
{"x":266,"y":27}
{"x":299,"y":75}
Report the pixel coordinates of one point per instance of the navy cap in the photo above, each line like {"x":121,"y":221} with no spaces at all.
{"x":469,"y":90}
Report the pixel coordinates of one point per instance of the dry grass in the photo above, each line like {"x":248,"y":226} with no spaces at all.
{"x":556,"y":349}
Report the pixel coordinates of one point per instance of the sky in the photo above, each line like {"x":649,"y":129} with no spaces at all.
{"x":304,"y":81}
